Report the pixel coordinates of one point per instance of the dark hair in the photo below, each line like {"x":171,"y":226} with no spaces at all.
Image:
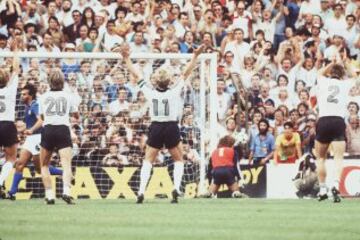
{"x":121,"y":9}
{"x":32,"y":90}
{"x":289,"y":124}
{"x":227,"y":141}
{"x":263,"y":120}
{"x":356,"y":104}
{"x":337,"y":71}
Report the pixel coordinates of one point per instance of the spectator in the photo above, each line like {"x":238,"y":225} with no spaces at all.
{"x":353,"y":135}
{"x":71,"y":32}
{"x":262,"y":146}
{"x":121,"y":104}
{"x":287,"y":145}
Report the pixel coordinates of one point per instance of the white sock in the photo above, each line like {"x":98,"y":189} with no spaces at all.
{"x":144,"y":175}
{"x":5,"y":171}
{"x":323,"y":189}
{"x":178,"y":174}
{"x":66,"y":190}
{"x":49,"y":194}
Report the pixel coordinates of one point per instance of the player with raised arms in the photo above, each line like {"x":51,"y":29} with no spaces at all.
{"x":31,"y":147}
{"x":165,"y":102}
{"x":8,"y":132}
{"x":333,"y":89}
{"x":55,"y":107}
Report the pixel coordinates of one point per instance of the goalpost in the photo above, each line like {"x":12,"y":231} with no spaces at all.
{"x":109,"y":141}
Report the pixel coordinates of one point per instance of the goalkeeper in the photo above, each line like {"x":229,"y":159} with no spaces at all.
{"x":225,"y":167}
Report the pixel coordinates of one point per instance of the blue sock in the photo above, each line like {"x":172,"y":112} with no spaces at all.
{"x":55,"y":171}
{"x":16,"y":180}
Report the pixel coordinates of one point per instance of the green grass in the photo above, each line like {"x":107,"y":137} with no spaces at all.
{"x":191,"y":219}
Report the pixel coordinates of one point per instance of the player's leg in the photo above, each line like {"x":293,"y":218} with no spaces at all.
{"x":65,"y":158}
{"x":150,"y":155}
{"x":214,"y":188}
{"x":53,"y":170}
{"x":321,"y":154}
{"x":24,"y":158}
{"x":177,"y":156}
{"x":45,"y":157}
{"x":10,"y":157}
{"x":339,"y":149}
{"x":9,"y":140}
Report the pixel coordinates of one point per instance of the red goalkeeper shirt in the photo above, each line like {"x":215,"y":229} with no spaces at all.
{"x":223,"y":157}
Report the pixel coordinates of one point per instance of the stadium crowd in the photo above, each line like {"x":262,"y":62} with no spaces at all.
{"x":269,"y":53}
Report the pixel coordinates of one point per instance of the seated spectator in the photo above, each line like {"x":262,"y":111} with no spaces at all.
{"x":287,"y":145}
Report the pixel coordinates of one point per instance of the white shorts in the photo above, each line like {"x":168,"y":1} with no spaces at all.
{"x":32,"y":144}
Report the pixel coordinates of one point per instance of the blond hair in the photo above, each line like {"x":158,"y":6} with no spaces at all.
{"x":4,"y":78}
{"x":56,"y":79}
{"x":163,"y":77}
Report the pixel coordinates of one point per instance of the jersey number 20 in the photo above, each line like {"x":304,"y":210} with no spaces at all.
{"x":335,"y":90}
{"x":56,"y":106}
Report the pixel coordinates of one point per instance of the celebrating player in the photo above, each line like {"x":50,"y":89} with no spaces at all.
{"x":8,"y":132}
{"x":224,"y":162}
{"x":31,"y":147}
{"x":330,"y":129}
{"x":164,"y":130}
{"x":55,"y":107}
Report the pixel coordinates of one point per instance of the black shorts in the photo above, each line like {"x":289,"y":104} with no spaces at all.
{"x":224,"y":175}
{"x":55,"y":137}
{"x":163,"y":134}
{"x":8,"y":134}
{"x":330,"y":129}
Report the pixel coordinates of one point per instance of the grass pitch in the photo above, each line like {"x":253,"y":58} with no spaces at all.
{"x":190,"y":219}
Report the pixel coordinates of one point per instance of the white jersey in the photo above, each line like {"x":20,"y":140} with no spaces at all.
{"x":8,"y":100}
{"x":164,"y":105}
{"x":56,"y":107}
{"x":332,"y":96}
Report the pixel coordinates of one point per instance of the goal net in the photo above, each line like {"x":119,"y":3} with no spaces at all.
{"x":109,"y":138}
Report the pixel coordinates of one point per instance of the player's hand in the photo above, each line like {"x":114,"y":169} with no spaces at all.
{"x":125,"y":51}
{"x":28,"y":132}
{"x":199,"y":50}
{"x":14,"y":45}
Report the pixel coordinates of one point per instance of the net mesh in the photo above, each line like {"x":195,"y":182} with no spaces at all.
{"x":111,"y":133}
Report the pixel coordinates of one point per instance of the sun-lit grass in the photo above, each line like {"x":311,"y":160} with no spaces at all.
{"x":190,"y":219}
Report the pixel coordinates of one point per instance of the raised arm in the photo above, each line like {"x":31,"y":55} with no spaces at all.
{"x":125,"y":52}
{"x":192,"y":63}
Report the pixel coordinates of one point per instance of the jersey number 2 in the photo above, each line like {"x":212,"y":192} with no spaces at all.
{"x":56,"y":106}
{"x":165,"y":111}
{"x":335,"y":90}
{"x":2,"y":104}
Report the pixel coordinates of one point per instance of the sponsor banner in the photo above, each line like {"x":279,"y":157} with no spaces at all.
{"x":108,"y":183}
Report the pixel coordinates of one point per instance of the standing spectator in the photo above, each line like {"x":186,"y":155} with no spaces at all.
{"x":237,"y":46}
{"x":110,"y":38}
{"x":138,"y":45}
{"x":262,"y":146}
{"x":31,"y":15}
{"x":48,"y":44}
{"x":121,"y":104}
{"x":71,"y":32}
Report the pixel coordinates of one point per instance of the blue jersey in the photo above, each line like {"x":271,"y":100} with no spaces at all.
{"x":31,"y":115}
